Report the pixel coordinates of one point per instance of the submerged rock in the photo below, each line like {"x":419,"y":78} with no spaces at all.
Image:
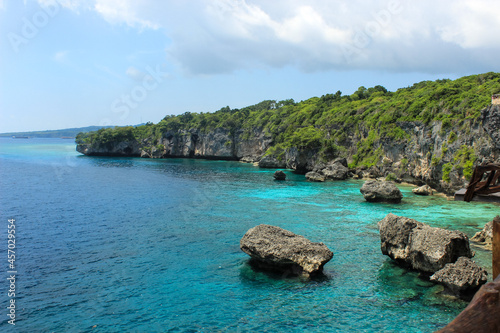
{"x":279,"y":175}
{"x":485,"y":236}
{"x":419,"y":246}
{"x":315,"y":176}
{"x":423,"y":190}
{"x":463,"y":278}
{"x":481,"y":315}
{"x":277,"y":249}
{"x":377,"y":191}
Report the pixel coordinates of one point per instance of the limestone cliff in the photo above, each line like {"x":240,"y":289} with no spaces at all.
{"x":435,"y":153}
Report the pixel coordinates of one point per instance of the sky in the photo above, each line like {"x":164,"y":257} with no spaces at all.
{"x":75,"y":63}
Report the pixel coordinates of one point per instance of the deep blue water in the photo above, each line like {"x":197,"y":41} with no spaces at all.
{"x":140,"y":245}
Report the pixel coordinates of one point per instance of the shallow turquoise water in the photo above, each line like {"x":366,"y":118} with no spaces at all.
{"x":110,"y":244}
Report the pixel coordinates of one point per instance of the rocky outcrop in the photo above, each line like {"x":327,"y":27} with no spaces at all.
{"x":490,"y":118}
{"x":481,"y":315}
{"x":423,"y":190}
{"x":121,"y":148}
{"x":434,"y":153}
{"x":378,"y":191}
{"x":277,"y":249}
{"x":315,"y":176}
{"x":336,"y":171}
{"x":485,"y":236}
{"x":419,"y":246}
{"x":272,"y":162}
{"x":463,"y":278}
{"x":279,"y":175}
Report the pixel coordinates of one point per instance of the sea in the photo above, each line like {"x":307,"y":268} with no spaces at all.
{"x":107,"y":244}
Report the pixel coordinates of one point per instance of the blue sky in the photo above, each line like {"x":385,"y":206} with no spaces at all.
{"x":73,"y":63}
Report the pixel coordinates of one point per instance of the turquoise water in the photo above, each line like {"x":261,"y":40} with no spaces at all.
{"x":140,"y":245}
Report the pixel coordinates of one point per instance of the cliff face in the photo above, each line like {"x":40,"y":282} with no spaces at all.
{"x":438,"y":154}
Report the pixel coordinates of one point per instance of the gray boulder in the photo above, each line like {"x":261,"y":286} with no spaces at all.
{"x":279,"y":175}
{"x":277,"y":249}
{"x":315,"y":176}
{"x":336,"y":171}
{"x":377,"y":191}
{"x":463,"y":278}
{"x":432,"y":248}
{"x":485,"y":236}
{"x":423,"y":190}
{"x":419,"y":246}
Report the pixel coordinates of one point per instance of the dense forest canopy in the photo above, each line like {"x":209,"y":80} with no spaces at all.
{"x":321,"y":122}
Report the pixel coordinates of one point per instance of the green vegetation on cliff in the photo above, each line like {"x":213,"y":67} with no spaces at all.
{"x":328,"y":122}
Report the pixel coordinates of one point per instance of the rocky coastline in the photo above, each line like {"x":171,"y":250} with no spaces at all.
{"x":431,"y":154}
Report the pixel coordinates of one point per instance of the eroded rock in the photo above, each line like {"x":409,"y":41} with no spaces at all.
{"x":277,"y":249}
{"x":463,"y":278}
{"x":315,"y":176}
{"x":423,"y":190}
{"x":485,"y":236}
{"x":279,"y":175}
{"x":419,"y":246}
{"x":381,"y":191}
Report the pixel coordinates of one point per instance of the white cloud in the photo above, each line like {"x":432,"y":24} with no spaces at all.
{"x":61,"y":56}
{"x":117,"y":11}
{"x":135,"y":74}
{"x":214,"y":36}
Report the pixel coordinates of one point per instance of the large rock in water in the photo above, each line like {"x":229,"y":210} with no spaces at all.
{"x":463,"y":278}
{"x":315,"y":176}
{"x":420,"y":246}
{"x":485,"y":236}
{"x":481,"y":315}
{"x":377,"y":191}
{"x":281,"y":250}
{"x":423,"y":190}
{"x":279,"y":175}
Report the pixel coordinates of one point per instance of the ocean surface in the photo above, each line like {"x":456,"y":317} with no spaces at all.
{"x":141,"y":245}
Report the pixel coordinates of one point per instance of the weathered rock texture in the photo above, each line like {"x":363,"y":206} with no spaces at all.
{"x":377,"y":191}
{"x":281,"y":250}
{"x":315,"y":176}
{"x":423,"y":190}
{"x":485,"y":236}
{"x":279,"y":175}
{"x":464,"y":277}
{"x":419,"y":246}
{"x":419,"y":159}
{"x":482,"y":313}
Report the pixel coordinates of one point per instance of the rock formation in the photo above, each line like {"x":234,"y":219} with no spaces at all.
{"x":423,"y":190}
{"x":431,"y":153}
{"x":419,"y":246}
{"x":377,"y":191}
{"x":464,"y":277}
{"x":481,"y":315}
{"x":315,"y":176}
{"x":277,"y":249}
{"x":485,"y":236}
{"x":436,"y":251}
{"x":279,"y":175}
